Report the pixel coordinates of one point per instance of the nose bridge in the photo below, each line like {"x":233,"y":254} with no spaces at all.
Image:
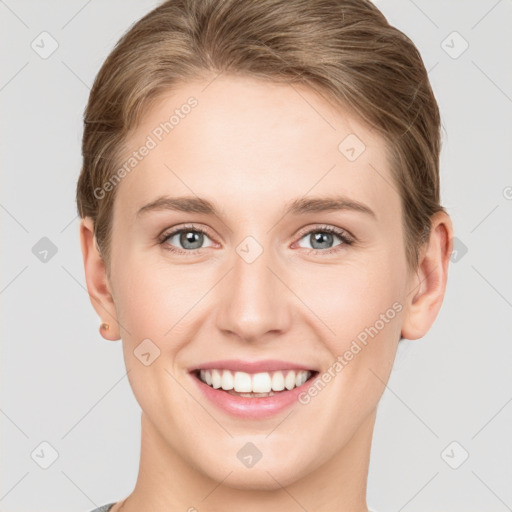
{"x":252,"y":298}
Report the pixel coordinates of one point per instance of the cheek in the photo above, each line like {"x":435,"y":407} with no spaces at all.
{"x":149,"y":303}
{"x":358,"y":309}
{"x":150,"y":297}
{"x":348,"y":298}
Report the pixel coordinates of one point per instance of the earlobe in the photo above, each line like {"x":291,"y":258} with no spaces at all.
{"x":427,"y":288}
{"x":97,"y":281}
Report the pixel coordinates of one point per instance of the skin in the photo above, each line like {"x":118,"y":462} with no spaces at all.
{"x":250,"y":147}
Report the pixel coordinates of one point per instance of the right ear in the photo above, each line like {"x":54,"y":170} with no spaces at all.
{"x":98,"y":285}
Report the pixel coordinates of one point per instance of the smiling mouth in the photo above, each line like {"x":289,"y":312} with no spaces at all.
{"x":254,"y":385}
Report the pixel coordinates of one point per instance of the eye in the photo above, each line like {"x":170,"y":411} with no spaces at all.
{"x":188,"y":238}
{"x":321,"y":239}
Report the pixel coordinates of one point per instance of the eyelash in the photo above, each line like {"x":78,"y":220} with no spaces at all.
{"x":343,"y":235}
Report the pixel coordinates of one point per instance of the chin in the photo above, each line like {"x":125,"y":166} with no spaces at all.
{"x":263,"y":478}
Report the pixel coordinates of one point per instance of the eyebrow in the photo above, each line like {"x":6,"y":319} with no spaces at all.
{"x":193,"y":204}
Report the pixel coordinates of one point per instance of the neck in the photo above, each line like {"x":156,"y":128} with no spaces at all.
{"x":166,"y":482}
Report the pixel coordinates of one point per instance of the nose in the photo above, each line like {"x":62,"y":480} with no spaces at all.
{"x":254,"y":301}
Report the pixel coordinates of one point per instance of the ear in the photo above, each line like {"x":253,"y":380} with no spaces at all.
{"x":98,"y":285}
{"x":428,"y":284}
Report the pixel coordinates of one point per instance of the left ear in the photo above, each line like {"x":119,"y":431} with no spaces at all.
{"x":428,"y":285}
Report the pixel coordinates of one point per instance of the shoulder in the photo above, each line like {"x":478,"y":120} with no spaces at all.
{"x":104,"y":508}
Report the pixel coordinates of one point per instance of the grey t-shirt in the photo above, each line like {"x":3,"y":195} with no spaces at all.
{"x":104,"y":508}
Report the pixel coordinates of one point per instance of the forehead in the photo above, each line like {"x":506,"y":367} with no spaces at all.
{"x":255,"y":142}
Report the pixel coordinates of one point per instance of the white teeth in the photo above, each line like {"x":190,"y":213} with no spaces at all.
{"x":262,"y":382}
{"x":278,"y":381}
{"x":227,"y":380}
{"x":300,"y":379}
{"x":289,"y":380}
{"x":242,"y":382}
{"x":216,"y":379}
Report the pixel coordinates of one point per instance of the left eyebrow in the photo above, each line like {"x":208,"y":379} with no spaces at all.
{"x":324,"y":204}
{"x":193,"y":204}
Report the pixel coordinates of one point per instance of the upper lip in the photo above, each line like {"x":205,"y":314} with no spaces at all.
{"x":265,"y":365}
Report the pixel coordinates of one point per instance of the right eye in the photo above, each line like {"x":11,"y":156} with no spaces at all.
{"x":190,"y":239}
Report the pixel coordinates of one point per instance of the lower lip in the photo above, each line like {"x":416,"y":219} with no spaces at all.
{"x":252,"y":408}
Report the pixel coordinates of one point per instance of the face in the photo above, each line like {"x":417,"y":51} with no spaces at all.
{"x":288,"y":253}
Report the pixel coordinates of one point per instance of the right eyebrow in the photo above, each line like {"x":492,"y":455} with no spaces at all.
{"x":183,"y":204}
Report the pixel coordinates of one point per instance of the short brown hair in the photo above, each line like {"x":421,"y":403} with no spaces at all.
{"x":343,"y":49}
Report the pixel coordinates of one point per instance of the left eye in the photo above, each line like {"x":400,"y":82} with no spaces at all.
{"x":321,"y":239}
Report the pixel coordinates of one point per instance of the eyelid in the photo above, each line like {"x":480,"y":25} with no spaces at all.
{"x":181,"y":227}
{"x":343,"y":233}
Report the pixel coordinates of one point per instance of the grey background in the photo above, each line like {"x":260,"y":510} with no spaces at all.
{"x":64,"y":385}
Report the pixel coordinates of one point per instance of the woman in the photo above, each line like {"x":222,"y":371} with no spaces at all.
{"x":294,"y":144}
